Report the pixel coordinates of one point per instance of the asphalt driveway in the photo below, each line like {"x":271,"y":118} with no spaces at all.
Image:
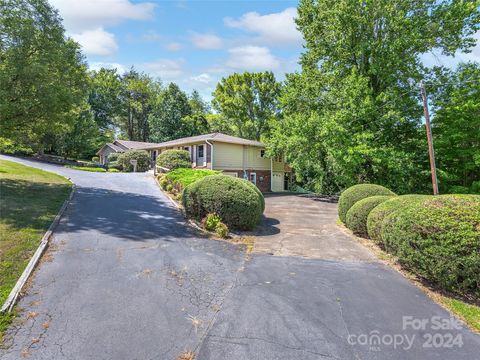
{"x":127,"y":279}
{"x":300,"y":225}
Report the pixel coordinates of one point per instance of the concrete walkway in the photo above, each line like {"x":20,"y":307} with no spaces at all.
{"x":126,"y":279}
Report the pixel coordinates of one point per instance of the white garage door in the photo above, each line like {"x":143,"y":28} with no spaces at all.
{"x":277,"y":181}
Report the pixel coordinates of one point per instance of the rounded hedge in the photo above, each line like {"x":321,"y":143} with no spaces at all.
{"x":174,"y":159}
{"x":142,"y":157}
{"x":358,"y":213}
{"x":376,"y":216}
{"x":358,"y":192}
{"x":236,"y":201}
{"x":439,"y":239}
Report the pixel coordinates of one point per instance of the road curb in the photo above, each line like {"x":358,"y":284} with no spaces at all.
{"x":14,"y":294}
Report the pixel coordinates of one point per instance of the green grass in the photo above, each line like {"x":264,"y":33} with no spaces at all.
{"x":30,"y":200}
{"x":86,"y":168}
{"x":468,"y":312}
{"x":185,"y":177}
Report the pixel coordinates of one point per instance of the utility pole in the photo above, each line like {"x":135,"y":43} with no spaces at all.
{"x":431,"y":152}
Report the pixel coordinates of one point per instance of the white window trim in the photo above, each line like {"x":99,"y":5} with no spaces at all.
{"x":254,"y":176}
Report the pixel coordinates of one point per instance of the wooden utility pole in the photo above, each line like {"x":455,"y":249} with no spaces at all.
{"x":431,"y":152}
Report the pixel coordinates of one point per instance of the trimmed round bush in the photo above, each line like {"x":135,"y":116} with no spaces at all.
{"x":376,"y":216}
{"x":113,"y":157}
{"x":358,"y":213}
{"x":358,"y":192}
{"x":142,"y":157}
{"x":439,"y":239}
{"x":174,"y":159}
{"x":234,"y":200}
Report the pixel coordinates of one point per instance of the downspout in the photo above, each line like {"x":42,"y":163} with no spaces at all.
{"x":271,"y":174}
{"x":211,"y":154}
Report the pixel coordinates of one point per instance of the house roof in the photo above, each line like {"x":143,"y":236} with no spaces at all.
{"x":111,"y":146}
{"x":216,"y":137}
{"x":122,"y":145}
{"x":139,"y":145}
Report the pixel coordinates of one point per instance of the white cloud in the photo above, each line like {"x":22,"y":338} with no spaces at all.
{"x":163,"y":68}
{"x":173,"y":46}
{"x":202,"y":78}
{"x":206,"y":41}
{"x":107,"y":65}
{"x":272,"y":29}
{"x":84,"y":15}
{"x":97,"y":42}
{"x":252,"y":58}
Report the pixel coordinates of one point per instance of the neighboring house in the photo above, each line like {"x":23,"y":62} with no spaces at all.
{"x":232,"y":155}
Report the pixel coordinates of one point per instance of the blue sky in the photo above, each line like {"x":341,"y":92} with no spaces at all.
{"x":194,"y":43}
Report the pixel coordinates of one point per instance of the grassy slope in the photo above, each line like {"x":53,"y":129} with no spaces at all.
{"x":30,"y":200}
{"x":187,"y":176}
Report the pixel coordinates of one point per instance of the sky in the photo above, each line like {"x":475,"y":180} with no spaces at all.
{"x":194,"y":43}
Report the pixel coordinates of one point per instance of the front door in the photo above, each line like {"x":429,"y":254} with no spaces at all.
{"x":277,"y":181}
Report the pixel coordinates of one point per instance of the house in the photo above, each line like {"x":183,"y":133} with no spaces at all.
{"x":232,"y":155}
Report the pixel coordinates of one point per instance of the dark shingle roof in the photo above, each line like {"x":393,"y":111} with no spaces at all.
{"x":135,"y":144}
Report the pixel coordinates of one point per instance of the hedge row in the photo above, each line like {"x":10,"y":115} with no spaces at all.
{"x":358,"y":192}
{"x":437,"y":237}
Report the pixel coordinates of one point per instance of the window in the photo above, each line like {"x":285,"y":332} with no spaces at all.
{"x":253,"y":178}
{"x":200,"y":151}
{"x":278,"y":158}
{"x":262,"y":153}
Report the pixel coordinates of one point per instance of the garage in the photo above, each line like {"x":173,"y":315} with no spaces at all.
{"x":278,"y":181}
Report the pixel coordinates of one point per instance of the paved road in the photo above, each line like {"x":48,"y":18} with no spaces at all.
{"x":128,"y":280}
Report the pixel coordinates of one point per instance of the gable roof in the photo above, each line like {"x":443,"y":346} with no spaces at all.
{"x":215,"y":137}
{"x":111,"y":146}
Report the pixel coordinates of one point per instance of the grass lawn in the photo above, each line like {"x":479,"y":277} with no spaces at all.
{"x":468,"y":312}
{"x":185,"y":177}
{"x":30,"y":200}
{"x":86,"y":168}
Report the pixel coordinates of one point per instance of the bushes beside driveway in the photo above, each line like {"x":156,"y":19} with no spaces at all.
{"x":142,"y":157}
{"x":174,"y":159}
{"x":356,"y":193}
{"x":436,"y":237}
{"x":237,"y":202}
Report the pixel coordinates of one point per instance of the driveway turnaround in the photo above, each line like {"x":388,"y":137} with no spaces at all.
{"x":125,"y":278}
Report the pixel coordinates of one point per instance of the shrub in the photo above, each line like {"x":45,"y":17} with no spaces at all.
{"x":379,"y":213}
{"x":181,"y":178}
{"x":8,"y":147}
{"x":234,"y":200}
{"x":113,"y":157}
{"x":211,"y":221}
{"x":358,"y":192}
{"x":174,"y":159}
{"x":358,"y":213}
{"x":169,"y":187}
{"x":143,"y":160}
{"x":439,"y":239}
{"x":222,"y":230}
{"x":95,"y":159}
{"x":113,"y":170}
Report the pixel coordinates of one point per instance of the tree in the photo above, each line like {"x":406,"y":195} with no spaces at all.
{"x":197,"y":123}
{"x":352,"y":114}
{"x":137,"y":98}
{"x":43,"y":81}
{"x":456,"y":126}
{"x":249,"y":100}
{"x":169,"y":109}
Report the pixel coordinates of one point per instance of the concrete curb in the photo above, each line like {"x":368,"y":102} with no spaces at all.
{"x":14,"y":294}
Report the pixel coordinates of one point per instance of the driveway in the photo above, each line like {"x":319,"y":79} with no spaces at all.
{"x":305,"y":226}
{"x":127,"y":279}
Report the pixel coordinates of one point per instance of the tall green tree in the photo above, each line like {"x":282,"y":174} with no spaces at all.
{"x":456,"y":126}
{"x":43,"y":80}
{"x":171,"y":106}
{"x":249,"y":101}
{"x":352,"y":114}
{"x":197,"y":122}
